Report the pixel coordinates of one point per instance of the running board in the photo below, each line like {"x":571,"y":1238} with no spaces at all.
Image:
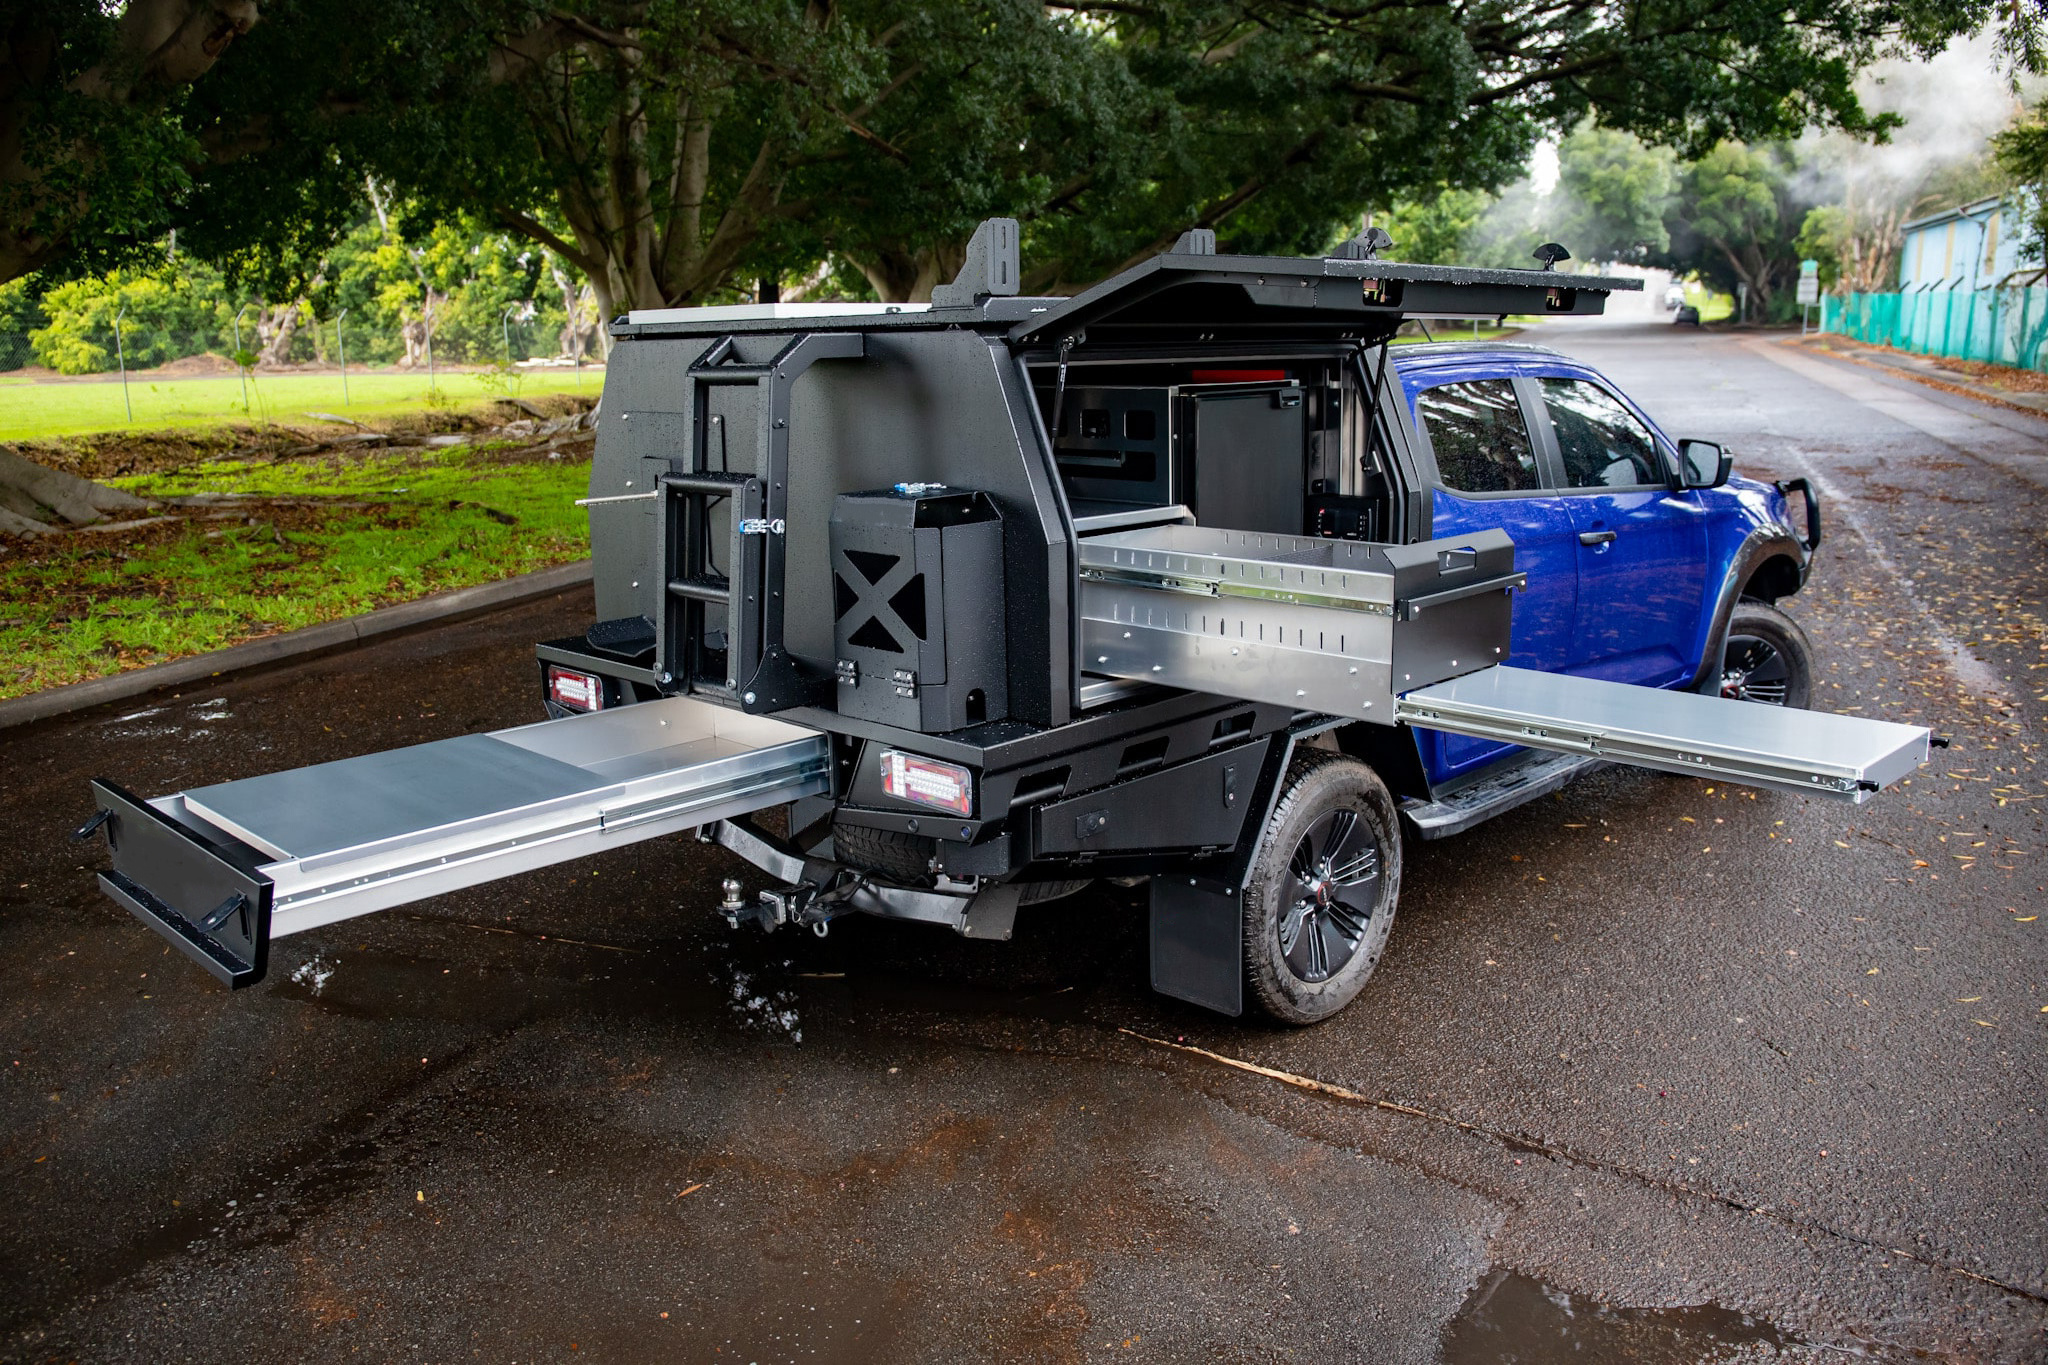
{"x":222,"y":870}
{"x":1847,"y":758}
{"x":1526,"y":778}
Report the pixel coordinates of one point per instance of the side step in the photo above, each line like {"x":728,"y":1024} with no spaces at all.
{"x":222,"y":870}
{"x":1847,"y":758}
{"x":1533,"y":775}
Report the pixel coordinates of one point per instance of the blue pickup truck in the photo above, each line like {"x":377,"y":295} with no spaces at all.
{"x":1633,"y":578}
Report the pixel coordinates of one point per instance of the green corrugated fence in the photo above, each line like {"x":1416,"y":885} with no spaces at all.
{"x":2001,"y":326}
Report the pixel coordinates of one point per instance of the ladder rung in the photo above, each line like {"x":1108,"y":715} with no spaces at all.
{"x":717,"y":591}
{"x":709,"y":483}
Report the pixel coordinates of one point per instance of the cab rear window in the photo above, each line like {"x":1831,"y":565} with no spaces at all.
{"x":1481,"y":442}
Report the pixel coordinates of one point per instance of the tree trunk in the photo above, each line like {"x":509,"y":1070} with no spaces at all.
{"x":908,"y":275}
{"x":36,"y":500}
{"x":274,"y":331}
{"x":418,"y":335}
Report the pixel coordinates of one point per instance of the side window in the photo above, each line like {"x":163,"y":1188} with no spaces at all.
{"x":1482,"y":444}
{"x":1601,"y":442}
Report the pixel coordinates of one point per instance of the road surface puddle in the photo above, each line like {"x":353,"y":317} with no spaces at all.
{"x":1512,"y":1319}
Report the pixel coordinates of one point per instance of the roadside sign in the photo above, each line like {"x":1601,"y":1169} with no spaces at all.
{"x":1809,"y":289}
{"x":1809,"y":268}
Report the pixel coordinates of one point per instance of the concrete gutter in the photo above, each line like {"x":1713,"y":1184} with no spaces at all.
{"x":295,"y":644}
{"x":1921,"y":370}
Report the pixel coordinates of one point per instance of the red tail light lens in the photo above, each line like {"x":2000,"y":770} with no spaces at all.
{"x":577,"y":691}
{"x":928,"y":782}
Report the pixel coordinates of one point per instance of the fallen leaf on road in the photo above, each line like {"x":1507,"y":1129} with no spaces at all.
{"x":692,"y":1190}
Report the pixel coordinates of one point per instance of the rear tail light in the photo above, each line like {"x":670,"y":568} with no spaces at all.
{"x":928,"y":782}
{"x":577,"y":691}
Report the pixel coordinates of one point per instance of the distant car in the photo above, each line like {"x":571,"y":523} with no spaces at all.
{"x":1686,"y":316}
{"x":1674,"y":297}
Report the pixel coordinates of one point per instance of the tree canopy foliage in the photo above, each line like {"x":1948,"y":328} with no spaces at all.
{"x":675,"y":150}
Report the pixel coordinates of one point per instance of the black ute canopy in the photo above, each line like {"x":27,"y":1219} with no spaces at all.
{"x":1192,"y":296}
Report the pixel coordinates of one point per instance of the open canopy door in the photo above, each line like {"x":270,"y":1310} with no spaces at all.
{"x":1183,"y":296}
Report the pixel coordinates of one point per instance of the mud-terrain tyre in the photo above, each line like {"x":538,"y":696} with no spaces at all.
{"x":1320,"y":901}
{"x":907,"y":859}
{"x":1767,"y":658}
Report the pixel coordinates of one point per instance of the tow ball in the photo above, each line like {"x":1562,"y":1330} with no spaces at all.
{"x":800,"y":904}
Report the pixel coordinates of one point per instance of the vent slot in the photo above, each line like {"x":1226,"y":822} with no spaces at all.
{"x":1231,"y":729}
{"x":874,"y":635}
{"x":1041,"y":786}
{"x":873,"y":567}
{"x":908,"y":604}
{"x":1143,"y":757}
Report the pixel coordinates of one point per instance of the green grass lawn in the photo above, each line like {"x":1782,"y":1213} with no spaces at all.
{"x":29,"y":411}
{"x":328,"y":536}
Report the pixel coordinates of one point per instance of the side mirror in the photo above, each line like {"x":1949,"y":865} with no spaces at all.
{"x":1703,"y":464}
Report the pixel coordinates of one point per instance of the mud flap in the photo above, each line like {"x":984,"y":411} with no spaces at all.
{"x":1197,"y":918}
{"x":1198,"y":942}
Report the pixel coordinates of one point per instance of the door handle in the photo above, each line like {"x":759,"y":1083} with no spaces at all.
{"x":1595,"y":537}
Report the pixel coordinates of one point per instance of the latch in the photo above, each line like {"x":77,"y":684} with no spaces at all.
{"x":761,"y":526}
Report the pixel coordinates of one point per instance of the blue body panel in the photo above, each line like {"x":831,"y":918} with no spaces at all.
{"x":1639,"y":608}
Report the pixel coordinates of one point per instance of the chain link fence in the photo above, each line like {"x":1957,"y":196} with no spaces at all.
{"x":1996,"y":326}
{"x":71,"y":375}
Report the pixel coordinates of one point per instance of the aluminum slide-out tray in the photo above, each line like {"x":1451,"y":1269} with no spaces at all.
{"x":221,"y":870}
{"x":1847,"y":758}
{"x":1334,"y":626}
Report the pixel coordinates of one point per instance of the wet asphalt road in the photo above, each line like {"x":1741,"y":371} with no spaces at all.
{"x":1655,"y":1069}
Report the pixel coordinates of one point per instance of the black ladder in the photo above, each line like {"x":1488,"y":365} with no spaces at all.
{"x":751,"y":667}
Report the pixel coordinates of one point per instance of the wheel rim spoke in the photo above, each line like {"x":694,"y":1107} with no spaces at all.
{"x":1290,"y":926}
{"x":1756,"y":670}
{"x":1361,"y":868}
{"x":1346,"y":919}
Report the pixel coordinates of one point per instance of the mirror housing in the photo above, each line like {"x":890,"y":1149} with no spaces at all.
{"x":1703,"y":464}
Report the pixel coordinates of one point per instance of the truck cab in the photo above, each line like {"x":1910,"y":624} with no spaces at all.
{"x":1633,"y":576}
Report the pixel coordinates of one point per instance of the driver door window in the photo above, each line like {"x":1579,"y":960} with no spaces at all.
{"x":1601,"y":443}
{"x":1641,"y":552}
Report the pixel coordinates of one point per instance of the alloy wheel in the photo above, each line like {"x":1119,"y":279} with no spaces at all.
{"x":1337,"y":889}
{"x":1754,"y":670}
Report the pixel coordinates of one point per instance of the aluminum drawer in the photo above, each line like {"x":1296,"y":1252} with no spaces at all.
{"x":221,"y":870}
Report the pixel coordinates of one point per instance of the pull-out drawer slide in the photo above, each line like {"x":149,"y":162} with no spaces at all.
{"x":1333,"y":626}
{"x":221,"y":870}
{"x":1847,"y":758}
